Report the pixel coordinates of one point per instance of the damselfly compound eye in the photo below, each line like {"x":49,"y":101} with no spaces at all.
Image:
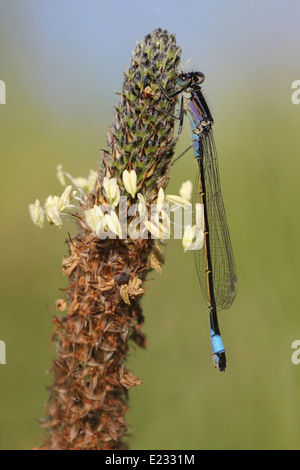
{"x":182,"y":80}
{"x":199,"y":78}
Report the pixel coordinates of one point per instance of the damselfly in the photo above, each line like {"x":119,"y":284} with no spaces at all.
{"x":214,"y":262}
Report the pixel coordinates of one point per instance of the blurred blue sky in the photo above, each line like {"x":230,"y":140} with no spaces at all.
{"x":71,"y":52}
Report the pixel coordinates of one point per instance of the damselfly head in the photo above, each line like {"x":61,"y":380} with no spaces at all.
{"x":184,"y":80}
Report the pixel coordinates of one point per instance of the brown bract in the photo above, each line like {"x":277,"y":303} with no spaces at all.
{"x":88,"y":400}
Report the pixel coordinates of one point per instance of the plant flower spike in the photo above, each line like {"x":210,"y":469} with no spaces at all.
{"x":105,"y":268}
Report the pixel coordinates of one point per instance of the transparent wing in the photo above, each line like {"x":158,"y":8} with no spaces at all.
{"x":224,"y":271}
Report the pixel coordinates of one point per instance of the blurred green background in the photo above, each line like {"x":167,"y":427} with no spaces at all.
{"x":61,"y":61}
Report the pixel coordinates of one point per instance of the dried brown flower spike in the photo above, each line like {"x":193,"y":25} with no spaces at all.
{"x":88,"y":399}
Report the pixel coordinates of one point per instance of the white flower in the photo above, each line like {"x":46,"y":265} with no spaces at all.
{"x":55,"y":206}
{"x":152,"y":228}
{"x":99,"y":222}
{"x":129,"y":180}
{"x":186,"y":190}
{"x":94,"y":218}
{"x":160,"y":199}
{"x":37,"y":213}
{"x":179,"y":201}
{"x":112,"y":222}
{"x":193,"y":238}
{"x":52,"y":212}
{"x":159,"y":228}
{"x":65,"y":198}
{"x":112,"y":190}
{"x":86,"y":184}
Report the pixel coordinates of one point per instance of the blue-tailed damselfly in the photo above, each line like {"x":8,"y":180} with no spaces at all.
{"x":214,"y":262}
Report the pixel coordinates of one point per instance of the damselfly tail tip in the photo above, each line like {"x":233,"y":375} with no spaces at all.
{"x":220,"y":361}
{"x":218,"y":350}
